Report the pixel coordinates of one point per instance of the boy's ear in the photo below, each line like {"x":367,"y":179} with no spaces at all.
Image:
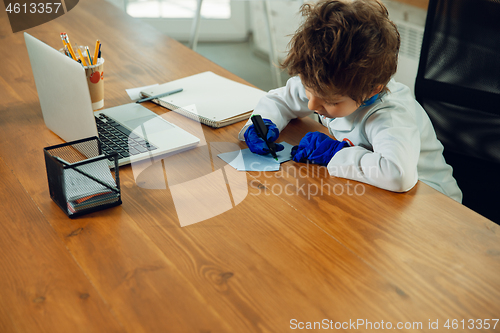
{"x":377,"y":90}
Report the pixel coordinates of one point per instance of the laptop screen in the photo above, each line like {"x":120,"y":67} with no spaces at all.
{"x":62,"y":90}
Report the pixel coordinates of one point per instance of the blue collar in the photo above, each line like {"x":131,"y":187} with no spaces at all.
{"x":370,"y":100}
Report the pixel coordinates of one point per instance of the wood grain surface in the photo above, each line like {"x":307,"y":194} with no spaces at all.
{"x":271,"y":247}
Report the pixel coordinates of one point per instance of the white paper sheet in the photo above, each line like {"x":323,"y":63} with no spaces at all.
{"x":134,"y":93}
{"x":245,"y":160}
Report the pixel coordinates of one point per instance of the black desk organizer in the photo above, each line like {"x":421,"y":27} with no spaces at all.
{"x":80,"y":180}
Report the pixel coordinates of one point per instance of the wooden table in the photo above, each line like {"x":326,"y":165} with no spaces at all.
{"x":301,"y":247}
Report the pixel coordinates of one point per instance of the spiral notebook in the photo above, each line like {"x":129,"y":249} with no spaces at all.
{"x":208,"y":98}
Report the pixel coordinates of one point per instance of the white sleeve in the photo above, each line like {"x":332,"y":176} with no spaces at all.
{"x":282,"y":105}
{"x":392,"y":165}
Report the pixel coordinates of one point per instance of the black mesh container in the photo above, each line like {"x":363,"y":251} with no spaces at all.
{"x":80,"y":179}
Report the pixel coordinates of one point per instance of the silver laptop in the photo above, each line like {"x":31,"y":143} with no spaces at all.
{"x":133,"y":131}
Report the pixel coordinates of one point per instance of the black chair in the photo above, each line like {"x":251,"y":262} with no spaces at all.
{"x":458,"y":84}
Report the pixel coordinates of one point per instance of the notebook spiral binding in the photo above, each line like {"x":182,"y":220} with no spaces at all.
{"x":186,"y":113}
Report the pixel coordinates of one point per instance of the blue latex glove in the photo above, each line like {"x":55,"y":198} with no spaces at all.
{"x":256,"y":144}
{"x":317,"y":148}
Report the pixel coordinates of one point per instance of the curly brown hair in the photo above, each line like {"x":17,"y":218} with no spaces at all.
{"x":347,"y":48}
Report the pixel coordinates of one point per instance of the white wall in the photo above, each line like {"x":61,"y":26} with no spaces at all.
{"x":286,"y":20}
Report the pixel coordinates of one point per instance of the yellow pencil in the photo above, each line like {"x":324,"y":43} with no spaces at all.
{"x":65,"y":45}
{"x":82,"y":57}
{"x":70,"y":48}
{"x":96,"y":51}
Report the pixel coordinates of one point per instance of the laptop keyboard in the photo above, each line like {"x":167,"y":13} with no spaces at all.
{"x":116,"y":137}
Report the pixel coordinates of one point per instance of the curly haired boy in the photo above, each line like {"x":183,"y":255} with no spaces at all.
{"x":342,"y":59}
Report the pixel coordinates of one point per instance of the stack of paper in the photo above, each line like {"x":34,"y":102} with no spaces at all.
{"x":82,"y":189}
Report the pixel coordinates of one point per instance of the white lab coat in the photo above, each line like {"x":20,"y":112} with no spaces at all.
{"x":393,"y":141}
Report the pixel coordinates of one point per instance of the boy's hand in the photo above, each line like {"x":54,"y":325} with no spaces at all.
{"x":256,"y":144}
{"x":317,"y":148}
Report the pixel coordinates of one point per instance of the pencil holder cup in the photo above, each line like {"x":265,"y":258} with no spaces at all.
{"x":94,"y":74}
{"x":79,"y":177}
{"x":95,"y":80}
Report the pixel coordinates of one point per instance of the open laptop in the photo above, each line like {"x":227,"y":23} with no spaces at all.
{"x":133,"y":131}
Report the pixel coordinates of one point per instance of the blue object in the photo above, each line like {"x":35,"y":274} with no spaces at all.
{"x":317,"y":148}
{"x":245,"y":160}
{"x":370,"y":100}
{"x":261,"y":129}
{"x":257,"y":145}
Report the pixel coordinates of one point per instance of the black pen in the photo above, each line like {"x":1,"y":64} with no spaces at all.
{"x":160,"y":95}
{"x":262,"y":130}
